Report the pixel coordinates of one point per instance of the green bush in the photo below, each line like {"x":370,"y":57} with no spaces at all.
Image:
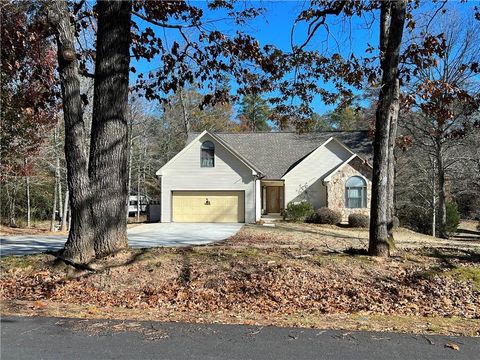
{"x":358,"y":220}
{"x":415,"y":219}
{"x":453,"y":217}
{"x":325,"y":216}
{"x":299,"y":211}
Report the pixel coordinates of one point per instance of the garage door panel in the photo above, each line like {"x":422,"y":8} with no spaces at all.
{"x":208,"y":206}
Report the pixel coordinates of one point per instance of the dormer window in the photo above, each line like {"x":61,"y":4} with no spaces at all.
{"x":207,"y":154}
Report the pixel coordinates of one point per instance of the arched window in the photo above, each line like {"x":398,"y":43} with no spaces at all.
{"x":207,"y":154}
{"x":356,"y":193}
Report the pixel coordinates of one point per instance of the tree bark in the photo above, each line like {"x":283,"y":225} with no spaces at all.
{"x":434,"y":200}
{"x":392,"y":137}
{"x":109,"y":140}
{"x":79,"y":246}
{"x":392,"y":22}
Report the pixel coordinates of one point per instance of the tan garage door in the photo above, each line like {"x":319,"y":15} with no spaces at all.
{"x":208,"y":206}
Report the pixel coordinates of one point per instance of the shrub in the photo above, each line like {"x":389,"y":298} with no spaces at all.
{"x":325,"y":216}
{"x":415,"y":219}
{"x":453,"y":217}
{"x":299,"y":211}
{"x":358,"y":220}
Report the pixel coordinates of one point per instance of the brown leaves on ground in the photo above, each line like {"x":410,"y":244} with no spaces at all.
{"x":265,"y":280}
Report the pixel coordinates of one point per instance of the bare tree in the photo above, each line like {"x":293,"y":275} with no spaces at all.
{"x":392,"y":20}
{"x":447,"y":98}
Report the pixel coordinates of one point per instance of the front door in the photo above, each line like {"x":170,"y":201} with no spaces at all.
{"x":273,"y":199}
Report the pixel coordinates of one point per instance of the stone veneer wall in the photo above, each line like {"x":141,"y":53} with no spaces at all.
{"x":336,"y":188}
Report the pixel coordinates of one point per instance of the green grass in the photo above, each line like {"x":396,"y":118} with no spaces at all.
{"x":465,"y":274}
{"x":21,"y":262}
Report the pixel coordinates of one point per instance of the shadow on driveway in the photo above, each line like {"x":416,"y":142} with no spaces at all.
{"x":142,"y":236}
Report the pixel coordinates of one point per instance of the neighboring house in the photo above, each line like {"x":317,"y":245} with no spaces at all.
{"x":241,"y":177}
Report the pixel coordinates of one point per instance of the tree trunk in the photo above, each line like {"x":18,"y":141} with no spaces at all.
{"x":79,"y":246}
{"x":109,"y":139}
{"x":392,"y":137}
{"x":186,"y":119}
{"x":54,"y":207}
{"x":60,"y":197}
{"x":434,"y":200}
{"x":138,"y":192}
{"x":63,"y":226}
{"x":12,"y":202}
{"x":27,"y":196}
{"x":130,"y":155}
{"x":391,"y":31}
{"x":442,"y":203}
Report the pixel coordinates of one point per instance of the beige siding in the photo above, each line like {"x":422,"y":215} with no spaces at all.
{"x":304,"y":182}
{"x":228,"y":174}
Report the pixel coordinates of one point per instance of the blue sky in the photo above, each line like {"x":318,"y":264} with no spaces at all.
{"x":275,"y":25}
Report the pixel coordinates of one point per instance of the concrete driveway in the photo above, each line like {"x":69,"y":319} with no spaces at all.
{"x":141,"y":236}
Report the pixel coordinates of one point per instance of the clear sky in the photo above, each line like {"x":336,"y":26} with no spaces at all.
{"x":274,"y":27}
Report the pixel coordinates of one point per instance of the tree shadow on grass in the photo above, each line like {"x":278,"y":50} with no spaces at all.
{"x":448,"y":255}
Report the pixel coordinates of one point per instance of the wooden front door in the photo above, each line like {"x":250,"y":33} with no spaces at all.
{"x":273,"y":199}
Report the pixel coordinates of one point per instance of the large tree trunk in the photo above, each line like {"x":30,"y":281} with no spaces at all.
{"x":79,"y":246}
{"x":392,"y":137}
{"x":391,"y":31}
{"x":109,"y":140}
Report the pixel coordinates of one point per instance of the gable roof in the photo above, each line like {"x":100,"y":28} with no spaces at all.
{"x":198,"y":136}
{"x":275,"y":153}
{"x":330,"y":175}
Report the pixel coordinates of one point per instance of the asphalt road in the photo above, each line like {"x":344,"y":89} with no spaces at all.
{"x":55,"y":338}
{"x":142,"y":236}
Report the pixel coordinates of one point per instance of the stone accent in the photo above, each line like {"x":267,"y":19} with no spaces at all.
{"x":336,"y":188}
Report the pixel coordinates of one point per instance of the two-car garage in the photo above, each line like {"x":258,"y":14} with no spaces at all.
{"x":208,"y":206}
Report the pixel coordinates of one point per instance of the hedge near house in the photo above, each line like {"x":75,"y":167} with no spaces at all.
{"x":326,"y":216}
{"x":358,"y":220}
{"x":299,"y":211}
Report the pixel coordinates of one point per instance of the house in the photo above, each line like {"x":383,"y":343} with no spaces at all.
{"x":242,"y":177}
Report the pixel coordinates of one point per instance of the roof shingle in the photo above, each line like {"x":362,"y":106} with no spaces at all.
{"x":274,"y":153}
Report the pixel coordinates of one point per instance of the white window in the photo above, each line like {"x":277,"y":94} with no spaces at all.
{"x":356,"y":193}
{"x":207,"y":154}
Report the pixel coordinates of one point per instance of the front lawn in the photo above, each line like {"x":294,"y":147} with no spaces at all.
{"x":289,"y":275}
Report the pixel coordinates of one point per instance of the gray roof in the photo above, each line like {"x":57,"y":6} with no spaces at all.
{"x":275,"y":153}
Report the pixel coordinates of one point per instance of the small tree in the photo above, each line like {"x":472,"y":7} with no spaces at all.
{"x":254,"y":113}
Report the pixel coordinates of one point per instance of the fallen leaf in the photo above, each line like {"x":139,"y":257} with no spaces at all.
{"x":452,"y":346}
